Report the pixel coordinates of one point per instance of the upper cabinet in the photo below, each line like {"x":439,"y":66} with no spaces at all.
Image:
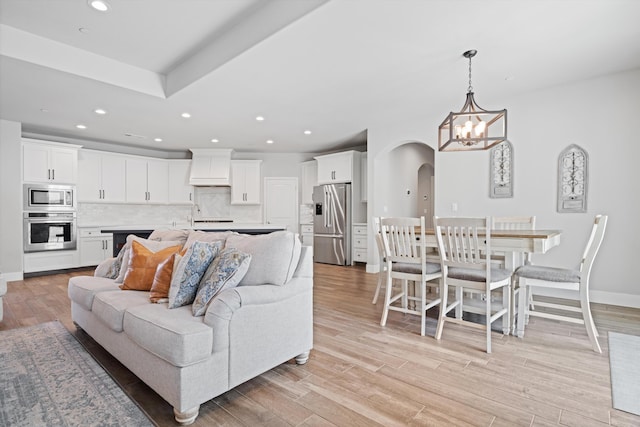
{"x":337,"y":168}
{"x":147,"y":180}
{"x":180,"y":191}
{"x":245,"y":182}
{"x":308,"y":179}
{"x":101,"y":177}
{"x":49,"y":162}
{"x":210,"y":166}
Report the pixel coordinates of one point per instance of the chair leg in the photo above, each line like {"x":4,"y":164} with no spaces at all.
{"x":588,"y":321}
{"x":506,"y":302}
{"x":423,"y":307}
{"x":387,"y":298}
{"x":523,"y":297}
{"x":444,"y":294}
{"x":381,"y":276}
{"x":459,"y":298}
{"x":488,"y":320}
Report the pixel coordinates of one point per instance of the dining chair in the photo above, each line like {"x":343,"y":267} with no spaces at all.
{"x":538,"y":276}
{"x":464,"y":245}
{"x":382,"y":275}
{"x":513,"y":223}
{"x":404,"y":245}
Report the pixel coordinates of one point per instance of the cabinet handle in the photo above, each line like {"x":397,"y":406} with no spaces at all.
{"x":48,"y":173}
{"x":103,"y":195}
{"x":53,"y":174}
{"x":190,"y":196}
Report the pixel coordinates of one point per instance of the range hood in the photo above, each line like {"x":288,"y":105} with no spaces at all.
{"x":210,"y":167}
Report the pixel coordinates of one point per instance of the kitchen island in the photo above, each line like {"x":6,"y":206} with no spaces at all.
{"x":120,"y":233}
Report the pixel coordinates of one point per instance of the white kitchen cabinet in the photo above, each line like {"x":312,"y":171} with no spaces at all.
{"x":94,"y":246}
{"x":50,"y":260}
{"x":210,"y":166}
{"x":337,"y":168}
{"x":308,"y":179}
{"x":49,"y":162}
{"x":101,"y":177}
{"x":245,"y":182}
{"x":359,"y":243}
{"x":180,"y":191}
{"x":147,"y":180}
{"x":306,"y":234}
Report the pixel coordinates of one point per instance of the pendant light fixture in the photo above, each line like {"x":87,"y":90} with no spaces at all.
{"x":473,"y":128}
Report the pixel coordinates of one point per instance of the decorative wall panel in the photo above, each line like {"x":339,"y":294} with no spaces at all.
{"x":501,"y":171}
{"x":573,"y":179}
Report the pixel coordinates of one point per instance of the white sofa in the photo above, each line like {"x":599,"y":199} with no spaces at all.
{"x":189,"y":360}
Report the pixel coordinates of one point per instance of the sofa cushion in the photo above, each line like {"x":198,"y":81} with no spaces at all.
{"x":189,"y":272}
{"x":274,"y":256}
{"x":168,"y":234}
{"x":142,"y":266}
{"x":173,"y":335}
{"x":82,"y":289}
{"x":149,"y":244}
{"x":162,"y":279}
{"x":207,"y":236}
{"x":225,"y":272}
{"x":110,"y":307}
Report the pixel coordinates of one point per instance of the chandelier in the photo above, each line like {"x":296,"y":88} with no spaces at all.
{"x":473,"y":128}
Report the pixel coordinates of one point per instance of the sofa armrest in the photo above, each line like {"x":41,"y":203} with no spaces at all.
{"x":229,"y":301}
{"x":103,"y":268}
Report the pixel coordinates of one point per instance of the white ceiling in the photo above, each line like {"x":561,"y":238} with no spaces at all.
{"x":335,"y":67}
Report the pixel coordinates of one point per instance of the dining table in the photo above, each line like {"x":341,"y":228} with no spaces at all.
{"x":513,"y":244}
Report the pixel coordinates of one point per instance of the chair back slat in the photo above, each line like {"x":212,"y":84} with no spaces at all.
{"x":513,"y":223}
{"x":463,"y":241}
{"x":400,"y":241}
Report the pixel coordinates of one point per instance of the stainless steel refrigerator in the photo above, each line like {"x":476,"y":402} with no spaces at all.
{"x":332,"y":224}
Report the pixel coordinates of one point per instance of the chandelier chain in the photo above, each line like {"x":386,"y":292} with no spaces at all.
{"x":470,"y":88}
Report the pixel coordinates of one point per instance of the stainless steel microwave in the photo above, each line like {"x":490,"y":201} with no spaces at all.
{"x":48,"y":197}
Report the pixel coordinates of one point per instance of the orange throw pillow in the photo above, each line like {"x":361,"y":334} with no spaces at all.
{"x":142,"y":266}
{"x":162,"y":280}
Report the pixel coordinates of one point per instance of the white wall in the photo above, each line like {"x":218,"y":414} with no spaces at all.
{"x":11,"y":197}
{"x":601,"y":116}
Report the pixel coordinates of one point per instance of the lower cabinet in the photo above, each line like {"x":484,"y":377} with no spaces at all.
{"x":306,"y":234}
{"x":50,"y":260}
{"x":94,"y":246}
{"x":359,"y":243}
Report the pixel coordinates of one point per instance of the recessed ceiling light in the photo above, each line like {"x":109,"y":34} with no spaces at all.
{"x":157,"y":139}
{"x":83,"y":30}
{"x":99,"y":5}
{"x":260,"y":118}
{"x":307,"y":132}
{"x":44,"y":110}
{"x":100,"y":111}
{"x":185,"y":115}
{"x":214,"y":140}
{"x":269,"y":141}
{"x":81,"y":126}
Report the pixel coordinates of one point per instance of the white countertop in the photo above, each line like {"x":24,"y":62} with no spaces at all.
{"x":204,"y":226}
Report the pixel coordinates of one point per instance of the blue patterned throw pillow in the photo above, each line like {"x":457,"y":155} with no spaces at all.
{"x":185,"y":280}
{"x":225,"y":272}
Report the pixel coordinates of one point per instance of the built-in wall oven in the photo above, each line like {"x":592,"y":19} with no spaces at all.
{"x":49,"y":217}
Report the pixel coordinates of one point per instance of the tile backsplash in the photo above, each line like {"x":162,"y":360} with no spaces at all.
{"x":212,"y":201}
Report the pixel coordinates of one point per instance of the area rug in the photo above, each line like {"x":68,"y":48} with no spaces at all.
{"x":625,"y":372}
{"x":48,"y":379}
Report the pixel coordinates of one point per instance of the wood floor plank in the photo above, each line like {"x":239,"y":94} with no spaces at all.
{"x":362,"y":374}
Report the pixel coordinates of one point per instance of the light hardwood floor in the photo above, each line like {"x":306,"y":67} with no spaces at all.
{"x":361,"y":374}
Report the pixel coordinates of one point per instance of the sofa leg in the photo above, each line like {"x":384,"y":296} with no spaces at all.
{"x":187,"y":417}
{"x":301,"y":359}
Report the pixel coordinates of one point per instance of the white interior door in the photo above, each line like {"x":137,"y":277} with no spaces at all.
{"x":281,"y":202}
